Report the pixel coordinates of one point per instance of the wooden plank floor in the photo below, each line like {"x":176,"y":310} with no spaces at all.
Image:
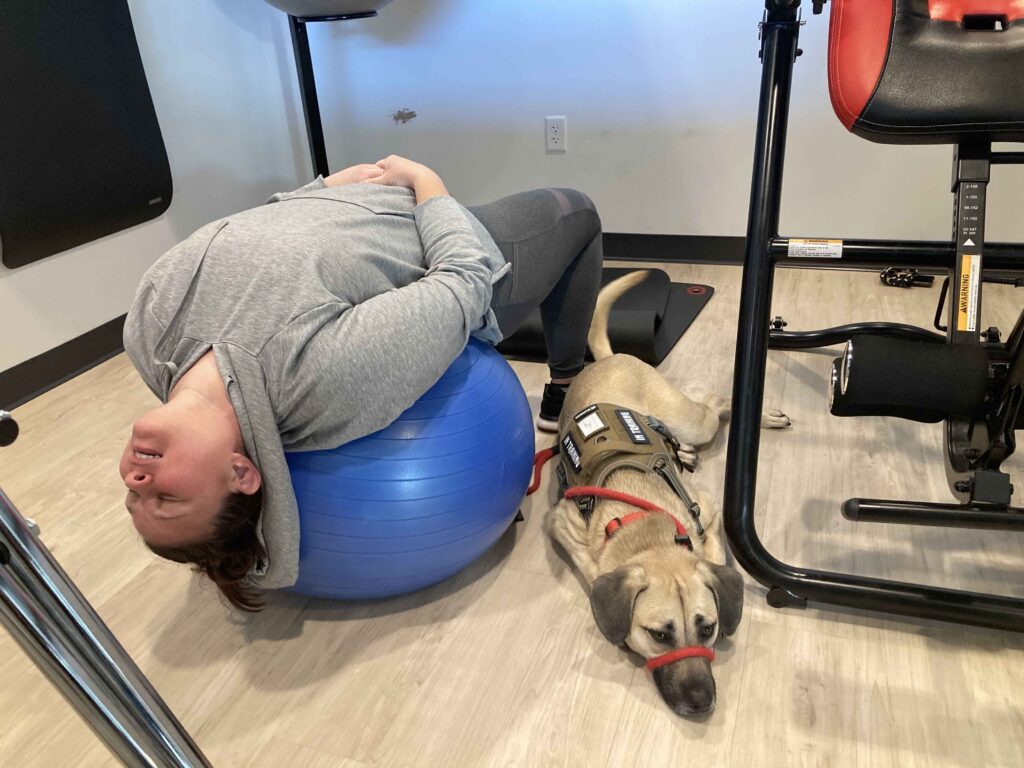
{"x":502,"y":665}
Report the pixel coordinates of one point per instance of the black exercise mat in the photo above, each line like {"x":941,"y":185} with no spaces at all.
{"x":645,"y":322}
{"x":81,"y":154}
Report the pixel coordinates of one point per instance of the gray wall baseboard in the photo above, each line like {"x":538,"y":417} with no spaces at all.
{"x":43,"y":372}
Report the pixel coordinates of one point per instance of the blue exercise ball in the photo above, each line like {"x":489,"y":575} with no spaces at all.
{"x":413,"y":504}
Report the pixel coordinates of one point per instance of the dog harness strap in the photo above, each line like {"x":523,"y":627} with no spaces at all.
{"x":591,"y":492}
{"x":607,"y":493}
{"x":691,"y":651}
{"x":682,"y":537}
{"x":672,"y":479}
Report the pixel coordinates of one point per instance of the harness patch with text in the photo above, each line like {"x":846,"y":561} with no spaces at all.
{"x":573,"y":452}
{"x":633,"y":428}
{"x":590,"y":422}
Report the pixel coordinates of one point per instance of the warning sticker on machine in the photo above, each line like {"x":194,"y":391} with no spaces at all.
{"x":967,"y":294}
{"x":815,"y":249}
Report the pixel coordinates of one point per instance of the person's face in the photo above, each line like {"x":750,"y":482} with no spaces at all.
{"x":178,"y":466}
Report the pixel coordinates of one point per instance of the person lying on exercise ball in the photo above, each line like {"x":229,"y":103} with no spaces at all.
{"x":319,"y":318}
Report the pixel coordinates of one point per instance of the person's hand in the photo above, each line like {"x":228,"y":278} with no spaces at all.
{"x":402,"y":172}
{"x":354,"y":175}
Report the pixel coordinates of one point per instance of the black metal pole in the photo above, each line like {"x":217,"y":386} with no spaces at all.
{"x":779,"y":50}
{"x":929,"y":513}
{"x":307,"y":89}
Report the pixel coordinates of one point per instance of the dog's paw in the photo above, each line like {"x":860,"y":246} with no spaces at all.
{"x":688,"y":457}
{"x":771,"y":419}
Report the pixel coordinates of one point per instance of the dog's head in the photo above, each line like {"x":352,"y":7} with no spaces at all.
{"x":665,"y":600}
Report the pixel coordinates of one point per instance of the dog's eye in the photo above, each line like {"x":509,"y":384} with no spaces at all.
{"x":659,"y":636}
{"x":706,"y":631}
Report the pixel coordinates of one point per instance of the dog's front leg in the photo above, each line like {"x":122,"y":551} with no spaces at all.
{"x":714,"y":547}
{"x":566,"y":525}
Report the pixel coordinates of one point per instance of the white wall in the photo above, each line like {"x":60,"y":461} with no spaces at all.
{"x":223,"y":84}
{"x":661,"y":99}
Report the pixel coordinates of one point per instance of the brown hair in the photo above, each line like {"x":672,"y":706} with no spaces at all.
{"x":231,"y":553}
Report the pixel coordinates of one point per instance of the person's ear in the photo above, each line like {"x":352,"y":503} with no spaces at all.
{"x":246,"y":478}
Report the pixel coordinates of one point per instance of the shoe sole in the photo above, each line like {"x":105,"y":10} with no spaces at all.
{"x":546,"y":425}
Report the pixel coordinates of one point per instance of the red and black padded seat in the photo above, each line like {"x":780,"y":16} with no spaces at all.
{"x":919,"y":72}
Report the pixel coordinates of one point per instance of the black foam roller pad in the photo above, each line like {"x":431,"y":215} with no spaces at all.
{"x":919,"y":381}
{"x":645,"y":322}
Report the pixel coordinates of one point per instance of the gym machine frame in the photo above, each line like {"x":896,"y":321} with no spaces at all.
{"x":67,"y":640}
{"x":974,"y":448}
{"x":307,"y":83}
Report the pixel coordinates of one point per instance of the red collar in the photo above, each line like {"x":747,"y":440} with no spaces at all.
{"x":680,"y":653}
{"x":682,"y":537}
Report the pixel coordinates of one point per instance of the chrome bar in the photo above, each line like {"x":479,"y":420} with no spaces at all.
{"x":65,"y":637}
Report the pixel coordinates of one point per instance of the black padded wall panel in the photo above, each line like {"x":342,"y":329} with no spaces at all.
{"x":81,"y":155}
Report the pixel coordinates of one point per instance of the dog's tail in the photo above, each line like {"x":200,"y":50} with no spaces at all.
{"x":600,"y":347}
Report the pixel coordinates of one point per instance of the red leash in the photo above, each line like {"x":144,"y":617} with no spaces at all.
{"x":539,"y":460}
{"x":605,"y":493}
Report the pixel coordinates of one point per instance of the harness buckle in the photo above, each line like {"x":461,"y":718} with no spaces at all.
{"x":586,"y":506}
{"x":659,"y":426}
{"x":673,"y":482}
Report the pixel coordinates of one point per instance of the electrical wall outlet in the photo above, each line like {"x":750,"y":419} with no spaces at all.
{"x":556,"y":134}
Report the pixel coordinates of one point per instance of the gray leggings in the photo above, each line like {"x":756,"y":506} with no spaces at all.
{"x":552,"y":239}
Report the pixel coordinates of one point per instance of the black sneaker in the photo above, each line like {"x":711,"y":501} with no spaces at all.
{"x":551,"y":407}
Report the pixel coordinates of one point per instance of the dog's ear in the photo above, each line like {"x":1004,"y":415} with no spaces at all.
{"x":611,"y":599}
{"x":727,"y":584}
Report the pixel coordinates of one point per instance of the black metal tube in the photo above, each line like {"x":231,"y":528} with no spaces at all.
{"x":307,"y":90}
{"x":917,"y":254}
{"x":926,"y":513}
{"x":915,"y":600}
{"x":842,"y":333}
{"x":779,"y":50}
{"x":1007,"y":158}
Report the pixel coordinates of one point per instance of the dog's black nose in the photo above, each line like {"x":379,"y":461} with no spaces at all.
{"x":698,"y":699}
{"x":687,"y":687}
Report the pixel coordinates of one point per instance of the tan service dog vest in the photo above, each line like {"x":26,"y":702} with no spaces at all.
{"x":604,"y":437}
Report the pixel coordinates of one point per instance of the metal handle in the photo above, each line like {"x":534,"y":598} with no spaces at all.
{"x":64,"y":636}
{"x":8,"y":429}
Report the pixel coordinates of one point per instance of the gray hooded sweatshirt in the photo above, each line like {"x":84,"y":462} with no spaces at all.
{"x":329,"y":312}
